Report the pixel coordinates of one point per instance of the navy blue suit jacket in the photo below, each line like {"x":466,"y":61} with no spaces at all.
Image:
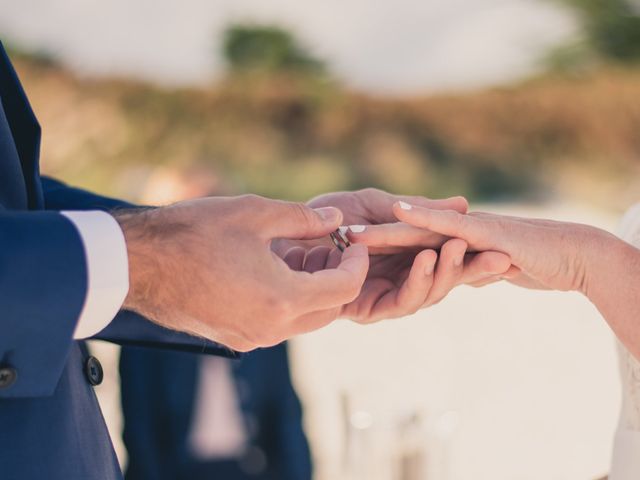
{"x":50,"y":423}
{"x":158,"y":398}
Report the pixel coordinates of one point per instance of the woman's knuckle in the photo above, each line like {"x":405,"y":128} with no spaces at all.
{"x":460,"y":221}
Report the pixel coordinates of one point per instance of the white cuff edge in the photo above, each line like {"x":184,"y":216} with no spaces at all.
{"x":107,"y":269}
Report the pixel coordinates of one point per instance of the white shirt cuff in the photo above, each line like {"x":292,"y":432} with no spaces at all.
{"x":107,"y":270}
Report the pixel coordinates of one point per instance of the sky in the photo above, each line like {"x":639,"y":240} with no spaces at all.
{"x":381,"y":46}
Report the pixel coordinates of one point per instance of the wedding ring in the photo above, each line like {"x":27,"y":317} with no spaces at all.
{"x":340,"y":240}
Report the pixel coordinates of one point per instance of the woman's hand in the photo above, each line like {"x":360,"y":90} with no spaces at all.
{"x":556,"y":255}
{"x":400,"y":280}
{"x":544,"y":254}
{"x":549,"y":254}
{"x":371,"y":206}
{"x":401,"y":284}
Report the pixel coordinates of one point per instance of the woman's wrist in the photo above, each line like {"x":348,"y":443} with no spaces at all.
{"x":604,"y":255}
{"x":613,"y":286}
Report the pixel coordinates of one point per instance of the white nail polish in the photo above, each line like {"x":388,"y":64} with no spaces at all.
{"x":357,"y":228}
{"x":405,"y":206}
{"x":343,"y":230}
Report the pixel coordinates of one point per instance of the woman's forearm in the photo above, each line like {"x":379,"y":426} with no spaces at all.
{"x":550,"y":254}
{"x":612,"y":284}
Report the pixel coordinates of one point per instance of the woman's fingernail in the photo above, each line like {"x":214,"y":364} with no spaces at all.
{"x":357,"y":228}
{"x":328,"y":214}
{"x":404,"y":205}
{"x":343,"y":230}
{"x":458,"y":261}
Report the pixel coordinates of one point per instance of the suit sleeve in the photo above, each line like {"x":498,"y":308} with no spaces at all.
{"x":127,"y":328}
{"x":43,"y":283}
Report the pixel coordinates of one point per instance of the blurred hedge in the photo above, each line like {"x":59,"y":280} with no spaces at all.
{"x":293,"y":136}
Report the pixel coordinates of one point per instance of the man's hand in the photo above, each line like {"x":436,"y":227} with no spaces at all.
{"x":206,"y":267}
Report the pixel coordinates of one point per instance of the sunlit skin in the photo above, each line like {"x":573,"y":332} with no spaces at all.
{"x":251,"y":272}
{"x":206,"y":267}
{"x":544,"y":254}
{"x":401,"y":284}
{"x":401,"y":281}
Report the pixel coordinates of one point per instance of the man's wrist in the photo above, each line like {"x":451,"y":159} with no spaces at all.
{"x":140,"y":237}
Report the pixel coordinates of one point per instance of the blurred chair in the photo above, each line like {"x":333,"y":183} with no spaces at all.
{"x":195,"y":417}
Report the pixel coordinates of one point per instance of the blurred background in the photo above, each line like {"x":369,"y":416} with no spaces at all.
{"x":525,"y":106}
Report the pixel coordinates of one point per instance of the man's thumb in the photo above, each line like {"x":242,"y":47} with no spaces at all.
{"x":297,"y":221}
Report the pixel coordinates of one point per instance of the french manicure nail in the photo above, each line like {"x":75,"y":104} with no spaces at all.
{"x":343,"y":230}
{"x":357,"y":228}
{"x":404,"y":205}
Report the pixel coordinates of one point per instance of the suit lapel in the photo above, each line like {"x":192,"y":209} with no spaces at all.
{"x":13,"y":193}
{"x":24,"y":128}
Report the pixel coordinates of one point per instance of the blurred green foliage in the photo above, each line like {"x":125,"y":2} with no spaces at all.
{"x":610,"y":32}
{"x":267,"y":48}
{"x":40,"y":57}
{"x":279,"y":125}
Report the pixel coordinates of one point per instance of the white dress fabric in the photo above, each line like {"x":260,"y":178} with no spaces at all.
{"x":625,"y":463}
